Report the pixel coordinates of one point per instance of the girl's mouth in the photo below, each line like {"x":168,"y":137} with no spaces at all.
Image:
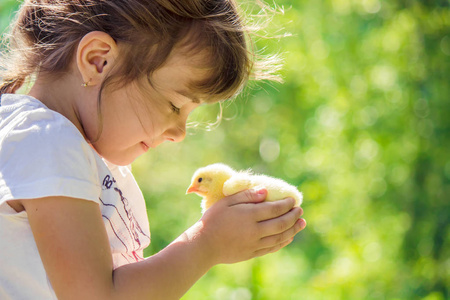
{"x":145,"y":146}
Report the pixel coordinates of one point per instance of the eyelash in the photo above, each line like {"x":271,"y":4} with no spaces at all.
{"x":175,"y":109}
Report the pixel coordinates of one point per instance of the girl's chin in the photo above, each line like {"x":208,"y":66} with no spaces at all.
{"x":124,"y":157}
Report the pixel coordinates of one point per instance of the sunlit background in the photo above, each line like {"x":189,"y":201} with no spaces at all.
{"x":361,"y":125}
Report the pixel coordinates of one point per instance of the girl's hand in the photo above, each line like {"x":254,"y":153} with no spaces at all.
{"x":241,"y":226}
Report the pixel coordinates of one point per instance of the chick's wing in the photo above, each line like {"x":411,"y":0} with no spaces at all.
{"x":237,"y":183}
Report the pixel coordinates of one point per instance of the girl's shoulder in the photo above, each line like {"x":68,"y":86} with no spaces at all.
{"x":40,"y":150}
{"x":27,"y":126}
{"x":31,"y":116}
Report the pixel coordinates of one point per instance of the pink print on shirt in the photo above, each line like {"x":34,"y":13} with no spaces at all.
{"x":120,"y":220}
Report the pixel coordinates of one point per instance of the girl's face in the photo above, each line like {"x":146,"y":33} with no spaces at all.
{"x":141,"y":115}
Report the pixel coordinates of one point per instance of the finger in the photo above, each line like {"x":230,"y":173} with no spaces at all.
{"x":273,"y":209}
{"x":247,"y":196}
{"x":280,"y":238}
{"x":280,"y":224}
{"x":272,"y":249}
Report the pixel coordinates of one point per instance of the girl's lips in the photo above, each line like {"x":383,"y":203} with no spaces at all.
{"x":145,"y":146}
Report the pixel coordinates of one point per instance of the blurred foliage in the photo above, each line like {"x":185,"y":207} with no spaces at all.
{"x":361,"y":125}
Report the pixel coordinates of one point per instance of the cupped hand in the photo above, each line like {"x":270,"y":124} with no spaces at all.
{"x":243,"y":226}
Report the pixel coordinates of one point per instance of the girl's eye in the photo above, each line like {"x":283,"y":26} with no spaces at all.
{"x":174,"y":108}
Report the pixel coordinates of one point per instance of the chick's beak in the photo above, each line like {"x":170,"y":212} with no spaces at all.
{"x":192,"y":189}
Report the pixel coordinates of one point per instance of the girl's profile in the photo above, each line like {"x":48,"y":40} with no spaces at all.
{"x":110,"y":80}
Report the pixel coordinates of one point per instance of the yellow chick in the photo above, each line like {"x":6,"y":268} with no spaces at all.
{"x":217,"y":181}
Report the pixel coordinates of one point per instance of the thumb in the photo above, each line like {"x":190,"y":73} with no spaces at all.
{"x":254,"y":195}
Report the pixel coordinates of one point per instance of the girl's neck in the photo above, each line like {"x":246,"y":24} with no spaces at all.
{"x":59,"y":95}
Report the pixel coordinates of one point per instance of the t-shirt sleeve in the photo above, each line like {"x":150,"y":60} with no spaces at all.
{"x":43,"y":154}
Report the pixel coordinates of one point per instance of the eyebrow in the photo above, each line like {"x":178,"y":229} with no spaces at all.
{"x":187,"y":95}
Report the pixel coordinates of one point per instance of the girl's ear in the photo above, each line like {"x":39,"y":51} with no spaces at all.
{"x":96,"y":54}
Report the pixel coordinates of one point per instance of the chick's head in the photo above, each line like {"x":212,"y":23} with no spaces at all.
{"x":208,"y":181}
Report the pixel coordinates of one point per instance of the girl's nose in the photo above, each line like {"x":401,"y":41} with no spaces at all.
{"x":175,"y":134}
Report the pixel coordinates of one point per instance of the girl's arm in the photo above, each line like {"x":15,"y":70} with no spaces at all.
{"x":73,"y":245}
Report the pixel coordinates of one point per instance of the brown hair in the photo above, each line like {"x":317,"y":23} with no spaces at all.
{"x":46,"y":33}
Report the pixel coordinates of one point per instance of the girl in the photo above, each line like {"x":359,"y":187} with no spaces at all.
{"x":113,"y":79}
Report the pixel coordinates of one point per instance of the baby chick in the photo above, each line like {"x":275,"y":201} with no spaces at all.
{"x":217,"y":181}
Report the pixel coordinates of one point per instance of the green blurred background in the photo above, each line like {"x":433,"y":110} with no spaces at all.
{"x":361,"y":125}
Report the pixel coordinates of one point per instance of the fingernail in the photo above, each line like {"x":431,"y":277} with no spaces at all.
{"x":261,"y":191}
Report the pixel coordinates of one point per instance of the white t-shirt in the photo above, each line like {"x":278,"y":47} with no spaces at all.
{"x":43,"y":154}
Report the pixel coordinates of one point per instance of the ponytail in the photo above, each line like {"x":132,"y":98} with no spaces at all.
{"x":10,"y":86}
{"x":19,"y":57}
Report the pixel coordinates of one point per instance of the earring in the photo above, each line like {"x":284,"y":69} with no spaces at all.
{"x":85,"y":84}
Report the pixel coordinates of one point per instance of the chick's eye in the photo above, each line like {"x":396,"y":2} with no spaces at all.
{"x":200,"y":179}
{"x":174,"y":108}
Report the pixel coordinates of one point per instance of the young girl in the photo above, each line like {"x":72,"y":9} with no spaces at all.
{"x":113,"y":79}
